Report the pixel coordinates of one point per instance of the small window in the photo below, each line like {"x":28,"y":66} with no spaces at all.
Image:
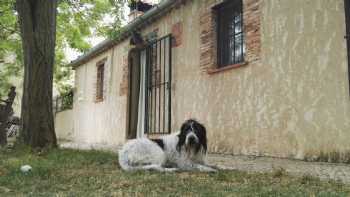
{"x":100,"y":80}
{"x":230,"y":34}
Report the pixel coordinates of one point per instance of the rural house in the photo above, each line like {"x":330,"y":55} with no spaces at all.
{"x":266,"y":77}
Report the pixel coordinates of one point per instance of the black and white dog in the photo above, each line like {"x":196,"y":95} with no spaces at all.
{"x":186,"y":150}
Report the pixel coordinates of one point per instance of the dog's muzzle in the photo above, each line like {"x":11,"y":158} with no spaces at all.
{"x":192,"y":139}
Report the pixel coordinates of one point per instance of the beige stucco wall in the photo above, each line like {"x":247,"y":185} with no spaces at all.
{"x":100,"y":124}
{"x":293,"y":102}
{"x":64,"y":125}
{"x":305,"y":88}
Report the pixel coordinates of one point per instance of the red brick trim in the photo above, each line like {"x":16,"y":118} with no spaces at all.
{"x":225,"y":68}
{"x":124,"y":84}
{"x":98,"y":100}
{"x":252,"y":29}
{"x":207,"y":39}
{"x":176,"y":31}
{"x":208,"y":35}
{"x":102,"y":61}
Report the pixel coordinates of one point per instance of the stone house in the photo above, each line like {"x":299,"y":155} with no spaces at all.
{"x":266,"y":77}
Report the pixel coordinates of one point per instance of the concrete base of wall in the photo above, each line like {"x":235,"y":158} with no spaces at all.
{"x":84,"y":146}
{"x":321,"y":170}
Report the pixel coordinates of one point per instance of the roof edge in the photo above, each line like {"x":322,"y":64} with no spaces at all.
{"x":156,"y":11}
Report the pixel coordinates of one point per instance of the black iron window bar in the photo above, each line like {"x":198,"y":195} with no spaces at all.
{"x":158,"y":91}
{"x":230,"y":33}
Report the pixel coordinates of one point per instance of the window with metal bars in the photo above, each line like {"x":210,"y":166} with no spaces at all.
{"x":230,"y":35}
{"x":99,"y":82}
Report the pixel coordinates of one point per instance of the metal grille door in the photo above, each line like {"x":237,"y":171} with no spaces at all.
{"x":158,"y":91}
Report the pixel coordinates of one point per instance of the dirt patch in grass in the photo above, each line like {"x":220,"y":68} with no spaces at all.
{"x":81,"y":173}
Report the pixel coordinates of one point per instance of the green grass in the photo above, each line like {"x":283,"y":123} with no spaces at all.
{"x":93,"y":173}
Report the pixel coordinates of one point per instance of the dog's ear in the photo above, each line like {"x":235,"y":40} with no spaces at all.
{"x":185,"y":126}
{"x":181,"y":142}
{"x":202,"y":136}
{"x":182,"y":136}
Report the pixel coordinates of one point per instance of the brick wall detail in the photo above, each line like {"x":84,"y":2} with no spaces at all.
{"x":176,"y":31}
{"x":124,"y":84}
{"x":208,"y":34}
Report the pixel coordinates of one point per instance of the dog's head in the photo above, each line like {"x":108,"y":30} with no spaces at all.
{"x":193,"y":136}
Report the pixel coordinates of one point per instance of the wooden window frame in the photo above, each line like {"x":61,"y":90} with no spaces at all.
{"x":224,"y":51}
{"x":100,"y":74}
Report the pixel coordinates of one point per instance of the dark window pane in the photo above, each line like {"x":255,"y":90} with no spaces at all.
{"x":231,"y":51}
{"x":230,"y":33}
{"x":238,"y":48}
{"x":99,"y":84}
{"x":238,"y":25}
{"x":238,"y":18}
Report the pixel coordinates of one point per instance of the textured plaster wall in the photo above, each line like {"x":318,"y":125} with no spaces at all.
{"x":64,"y":125}
{"x":304,"y":85}
{"x":100,"y":124}
{"x":292,"y":102}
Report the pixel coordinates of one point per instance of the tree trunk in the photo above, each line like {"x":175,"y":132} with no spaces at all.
{"x":37,"y":19}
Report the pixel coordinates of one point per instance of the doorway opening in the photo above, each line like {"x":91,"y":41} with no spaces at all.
{"x":149,"y":95}
{"x":133,"y":92}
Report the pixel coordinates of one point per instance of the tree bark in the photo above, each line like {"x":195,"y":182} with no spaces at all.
{"x":37,"y":19}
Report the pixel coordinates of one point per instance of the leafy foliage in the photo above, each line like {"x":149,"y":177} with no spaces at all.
{"x":77,"y":20}
{"x":9,"y":44}
{"x":64,"y":101}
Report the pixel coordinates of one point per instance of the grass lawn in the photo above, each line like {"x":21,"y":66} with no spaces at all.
{"x":93,"y":173}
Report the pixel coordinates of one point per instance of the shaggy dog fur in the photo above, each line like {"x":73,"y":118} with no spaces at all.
{"x":186,"y":150}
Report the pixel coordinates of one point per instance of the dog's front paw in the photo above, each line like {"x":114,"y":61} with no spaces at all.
{"x":171,"y":169}
{"x":212,"y":170}
{"x":207,"y":169}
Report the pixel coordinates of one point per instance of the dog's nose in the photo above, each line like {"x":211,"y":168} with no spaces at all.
{"x":191,"y":140}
